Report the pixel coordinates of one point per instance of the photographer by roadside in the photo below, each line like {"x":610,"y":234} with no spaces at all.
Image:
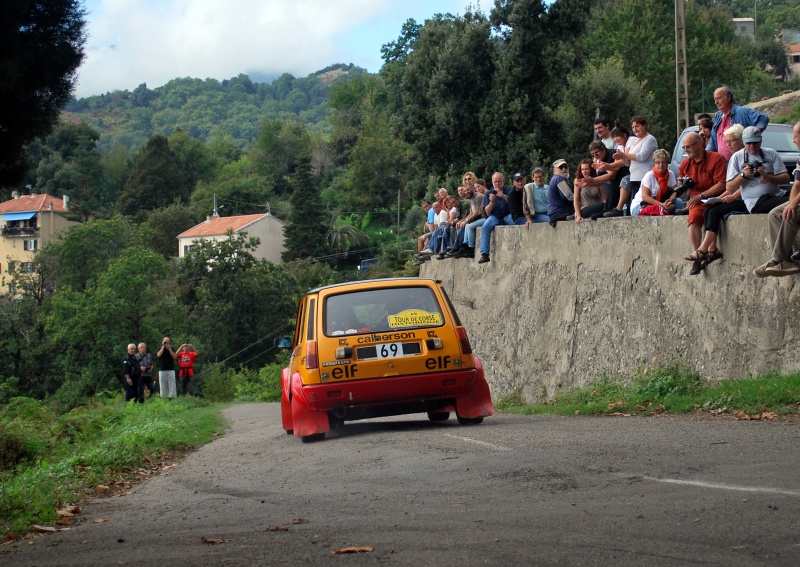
{"x":166,"y":372}
{"x":186,"y":357}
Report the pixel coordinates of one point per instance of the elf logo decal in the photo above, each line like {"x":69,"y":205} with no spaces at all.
{"x":438,"y":362}
{"x":344,"y":372}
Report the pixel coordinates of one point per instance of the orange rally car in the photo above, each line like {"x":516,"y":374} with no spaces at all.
{"x":378,"y":348}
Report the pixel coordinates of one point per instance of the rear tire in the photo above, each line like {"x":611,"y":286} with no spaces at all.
{"x":312,"y":438}
{"x":438,"y":415}
{"x":289,"y":431}
{"x":469,"y":420}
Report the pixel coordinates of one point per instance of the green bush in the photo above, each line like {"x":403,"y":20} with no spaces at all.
{"x":264,"y":386}
{"x":13,"y":449}
{"x":218,"y":384}
{"x":674,"y":379}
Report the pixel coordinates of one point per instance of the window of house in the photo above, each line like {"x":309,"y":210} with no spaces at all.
{"x":11,"y":267}
{"x":12,"y":288}
{"x":28,"y":267}
{"x":29,"y":245}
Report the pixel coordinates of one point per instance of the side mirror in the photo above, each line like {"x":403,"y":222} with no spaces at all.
{"x":282,"y":342}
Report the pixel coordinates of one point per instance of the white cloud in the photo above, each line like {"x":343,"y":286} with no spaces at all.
{"x":153,"y":41}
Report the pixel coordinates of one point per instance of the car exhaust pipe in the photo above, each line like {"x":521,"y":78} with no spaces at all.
{"x":340,"y":412}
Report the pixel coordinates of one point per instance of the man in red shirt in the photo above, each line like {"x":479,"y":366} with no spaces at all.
{"x":186,"y":357}
{"x":708,"y":170}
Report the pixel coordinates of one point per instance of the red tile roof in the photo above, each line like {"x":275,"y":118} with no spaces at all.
{"x":220,"y":225}
{"x":29,"y":203}
{"x":794,"y":48}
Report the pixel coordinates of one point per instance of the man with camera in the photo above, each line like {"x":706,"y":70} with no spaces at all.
{"x":186,"y":357}
{"x":784,"y":224}
{"x":706,"y":170}
{"x":166,"y":372}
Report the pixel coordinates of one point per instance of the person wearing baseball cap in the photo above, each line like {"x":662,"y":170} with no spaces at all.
{"x":560,"y":203}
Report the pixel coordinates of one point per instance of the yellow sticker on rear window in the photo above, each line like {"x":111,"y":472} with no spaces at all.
{"x":414,"y":318}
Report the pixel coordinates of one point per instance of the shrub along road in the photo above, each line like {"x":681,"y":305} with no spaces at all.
{"x":514,"y":490}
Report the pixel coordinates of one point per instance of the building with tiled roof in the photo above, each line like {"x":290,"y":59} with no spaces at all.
{"x":27,"y":223}
{"x":266,"y":227}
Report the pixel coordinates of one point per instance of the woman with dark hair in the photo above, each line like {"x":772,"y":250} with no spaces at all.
{"x":705,"y":125}
{"x":639,"y":151}
{"x":589,"y":199}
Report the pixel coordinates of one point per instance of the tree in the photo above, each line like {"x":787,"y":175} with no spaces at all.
{"x":42,"y":50}
{"x":305,"y":229}
{"x":157,"y":179}
{"x":69,"y":164}
{"x":167,"y":223}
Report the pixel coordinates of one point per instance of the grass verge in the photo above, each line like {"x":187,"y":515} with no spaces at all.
{"x":49,"y":460}
{"x":672,"y":389}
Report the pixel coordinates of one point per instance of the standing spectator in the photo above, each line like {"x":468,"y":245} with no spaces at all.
{"x":186,"y":358}
{"x":728,"y":115}
{"x":784,"y":223}
{"x":534,"y":206}
{"x":166,"y":369}
{"x":589,"y":199}
{"x":639,"y":151}
{"x":706,"y":170}
{"x":146,"y":366}
{"x":602,"y":127}
{"x":559,"y":193}
{"x":132,"y":373}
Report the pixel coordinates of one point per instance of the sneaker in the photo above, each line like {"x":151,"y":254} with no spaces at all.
{"x":484,"y":259}
{"x":570,"y":217}
{"x":684,"y":211}
{"x":612,"y":213}
{"x":428,"y":251}
{"x":442,"y":256}
{"x":761,"y":271}
{"x":465,"y":252}
{"x":784,"y":268}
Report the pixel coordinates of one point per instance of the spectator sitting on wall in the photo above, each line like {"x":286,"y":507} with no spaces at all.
{"x":429,"y":227}
{"x":752,"y":187}
{"x":657,"y":195}
{"x":503,"y":206}
{"x":534,"y":204}
{"x":470,"y":191}
{"x":559,"y":193}
{"x":588,"y":199}
{"x":784,"y":223}
{"x":706,"y":172}
{"x":607,"y":172}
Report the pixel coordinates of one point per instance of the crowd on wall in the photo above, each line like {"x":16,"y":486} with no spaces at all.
{"x":726,"y":171}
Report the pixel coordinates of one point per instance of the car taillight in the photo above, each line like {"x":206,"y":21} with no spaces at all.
{"x":463,"y":340}
{"x":311,"y":354}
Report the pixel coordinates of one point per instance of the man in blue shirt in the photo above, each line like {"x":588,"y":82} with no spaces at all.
{"x":499,"y":210}
{"x":728,"y":115}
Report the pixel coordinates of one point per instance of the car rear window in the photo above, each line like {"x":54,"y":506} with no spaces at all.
{"x":778,"y":140}
{"x":380,"y":310}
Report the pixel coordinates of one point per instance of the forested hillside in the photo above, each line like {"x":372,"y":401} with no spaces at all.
{"x":209,"y":108}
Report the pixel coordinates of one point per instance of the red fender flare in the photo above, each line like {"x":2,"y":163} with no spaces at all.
{"x":478,"y":403}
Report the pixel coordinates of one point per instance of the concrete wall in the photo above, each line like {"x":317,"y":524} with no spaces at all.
{"x":556,"y":308}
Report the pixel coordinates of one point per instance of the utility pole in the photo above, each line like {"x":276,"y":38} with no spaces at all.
{"x":681,"y":80}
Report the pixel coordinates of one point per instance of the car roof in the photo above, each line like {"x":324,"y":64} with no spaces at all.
{"x":392,"y":282}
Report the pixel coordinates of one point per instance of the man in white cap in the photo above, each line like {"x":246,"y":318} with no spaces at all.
{"x":754,"y":174}
{"x":784,"y":224}
{"x":559,"y":193}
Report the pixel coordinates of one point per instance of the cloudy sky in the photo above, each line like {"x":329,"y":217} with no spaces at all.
{"x":152,"y":41}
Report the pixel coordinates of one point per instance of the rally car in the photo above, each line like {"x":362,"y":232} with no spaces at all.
{"x":379,"y":348}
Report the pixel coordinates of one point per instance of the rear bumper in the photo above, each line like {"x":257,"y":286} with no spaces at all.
{"x":466,"y":390}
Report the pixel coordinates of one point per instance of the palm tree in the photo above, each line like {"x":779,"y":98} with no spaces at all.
{"x":343,"y":238}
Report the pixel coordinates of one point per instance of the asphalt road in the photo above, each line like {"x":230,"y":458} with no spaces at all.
{"x":515,"y":490}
